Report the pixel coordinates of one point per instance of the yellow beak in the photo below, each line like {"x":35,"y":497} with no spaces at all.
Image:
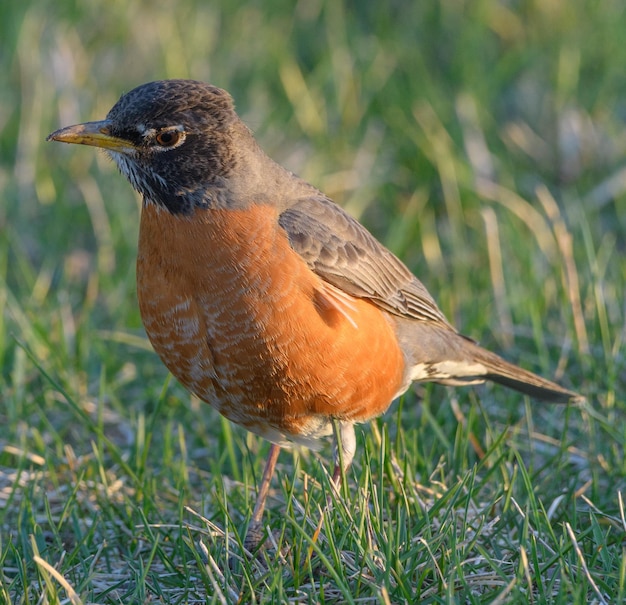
{"x":96,"y":134}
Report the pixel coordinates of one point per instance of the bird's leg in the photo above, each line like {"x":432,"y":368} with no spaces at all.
{"x":345,"y":448}
{"x":254,"y":534}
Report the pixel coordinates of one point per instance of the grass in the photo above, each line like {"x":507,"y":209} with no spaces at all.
{"x":483,"y":143}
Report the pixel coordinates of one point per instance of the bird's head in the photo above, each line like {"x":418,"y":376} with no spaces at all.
{"x":172,"y":139}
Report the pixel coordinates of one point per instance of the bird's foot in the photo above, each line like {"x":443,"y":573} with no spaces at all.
{"x":259,"y":548}
{"x":253,"y":542}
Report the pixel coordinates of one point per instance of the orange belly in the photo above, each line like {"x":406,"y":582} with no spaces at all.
{"x":240,"y":320}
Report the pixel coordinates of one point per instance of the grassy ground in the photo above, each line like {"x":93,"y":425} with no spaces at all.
{"x":481,"y":141}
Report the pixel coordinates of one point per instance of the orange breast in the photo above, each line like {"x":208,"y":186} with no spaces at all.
{"x":238,"y":317}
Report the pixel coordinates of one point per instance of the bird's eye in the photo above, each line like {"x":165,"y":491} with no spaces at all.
{"x":170,"y":137}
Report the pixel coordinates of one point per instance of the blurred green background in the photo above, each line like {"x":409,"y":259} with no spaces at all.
{"x":482,"y":141}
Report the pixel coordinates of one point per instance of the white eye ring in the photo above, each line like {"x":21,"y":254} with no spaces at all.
{"x":170,"y":137}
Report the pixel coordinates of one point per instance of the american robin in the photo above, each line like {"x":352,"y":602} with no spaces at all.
{"x":260,"y":294}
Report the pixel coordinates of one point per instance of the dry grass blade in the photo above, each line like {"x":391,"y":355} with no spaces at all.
{"x":583,"y":564}
{"x":570,"y":276}
{"x":71,"y":593}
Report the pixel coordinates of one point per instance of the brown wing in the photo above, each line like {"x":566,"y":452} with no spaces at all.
{"x":342,"y":252}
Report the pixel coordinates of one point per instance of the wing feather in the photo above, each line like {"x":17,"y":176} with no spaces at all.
{"x":343,"y":253}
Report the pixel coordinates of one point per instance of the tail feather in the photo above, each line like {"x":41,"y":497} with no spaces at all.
{"x":514,"y":377}
{"x":438,"y":355}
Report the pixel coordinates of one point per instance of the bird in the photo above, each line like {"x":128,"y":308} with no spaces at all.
{"x":261,"y":295}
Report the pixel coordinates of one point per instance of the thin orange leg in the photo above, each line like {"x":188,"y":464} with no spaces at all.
{"x":255,"y":528}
